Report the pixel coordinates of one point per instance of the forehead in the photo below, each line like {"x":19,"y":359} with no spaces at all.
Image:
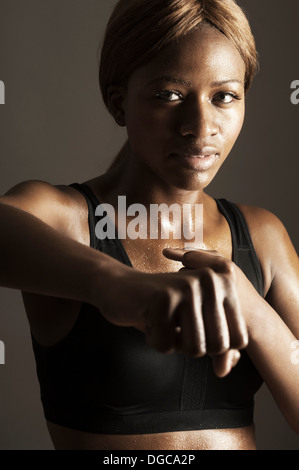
{"x":204,"y":54}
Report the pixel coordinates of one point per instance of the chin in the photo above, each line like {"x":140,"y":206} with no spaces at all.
{"x":195,"y":182}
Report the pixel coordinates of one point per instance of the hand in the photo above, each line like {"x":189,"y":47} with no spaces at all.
{"x":194,"y":259}
{"x":195,"y":311}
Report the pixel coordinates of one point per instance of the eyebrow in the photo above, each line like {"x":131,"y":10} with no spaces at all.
{"x":177,"y":81}
{"x":187,"y":84}
{"x":224,"y":82}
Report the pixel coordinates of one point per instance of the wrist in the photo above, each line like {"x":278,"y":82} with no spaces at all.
{"x":105,"y":274}
{"x":119,"y":292}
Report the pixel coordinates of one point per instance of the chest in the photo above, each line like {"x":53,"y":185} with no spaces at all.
{"x":147,"y":255}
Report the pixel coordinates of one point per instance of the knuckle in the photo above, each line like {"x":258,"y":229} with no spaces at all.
{"x":188,"y":285}
{"x":226,"y":266}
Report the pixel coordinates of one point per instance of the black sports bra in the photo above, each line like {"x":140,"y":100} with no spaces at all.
{"x":105,"y":379}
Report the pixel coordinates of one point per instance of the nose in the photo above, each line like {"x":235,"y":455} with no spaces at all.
{"x":198,"y":119}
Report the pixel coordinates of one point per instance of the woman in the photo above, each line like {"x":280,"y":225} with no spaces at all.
{"x":159,"y":357}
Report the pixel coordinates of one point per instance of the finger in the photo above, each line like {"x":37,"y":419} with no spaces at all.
{"x":200,"y":259}
{"x":215,"y":322}
{"x":224,"y":363}
{"x":205,"y":259}
{"x":235,"y":320}
{"x":177,"y":254}
{"x":191,"y":339}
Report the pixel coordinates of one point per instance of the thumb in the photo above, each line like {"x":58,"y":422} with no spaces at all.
{"x":223,"y":363}
{"x":177,"y":254}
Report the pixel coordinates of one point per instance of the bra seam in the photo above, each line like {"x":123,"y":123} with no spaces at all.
{"x":183,"y":386}
{"x":204,"y":385}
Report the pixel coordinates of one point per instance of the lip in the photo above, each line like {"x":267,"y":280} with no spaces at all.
{"x":202,"y":160}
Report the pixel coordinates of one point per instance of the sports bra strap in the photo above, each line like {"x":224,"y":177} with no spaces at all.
{"x":244,"y":254}
{"x":86,"y":191}
{"x":91,"y":219}
{"x":111,"y":247}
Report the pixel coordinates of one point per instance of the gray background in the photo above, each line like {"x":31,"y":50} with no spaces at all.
{"x":54,"y":127}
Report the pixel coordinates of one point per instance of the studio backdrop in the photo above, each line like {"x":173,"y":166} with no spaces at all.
{"x":55,"y":128}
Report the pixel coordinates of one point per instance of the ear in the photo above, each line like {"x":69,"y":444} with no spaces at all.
{"x":116,"y":97}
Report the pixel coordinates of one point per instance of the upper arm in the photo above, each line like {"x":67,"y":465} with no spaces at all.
{"x":283,"y":294}
{"x":37,"y":198}
{"x":279,"y":261}
{"x":60,"y":207}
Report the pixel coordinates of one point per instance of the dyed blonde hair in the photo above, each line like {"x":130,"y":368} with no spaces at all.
{"x":139,"y":29}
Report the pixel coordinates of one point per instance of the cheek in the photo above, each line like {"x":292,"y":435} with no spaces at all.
{"x":145,"y":126}
{"x":232,"y":127}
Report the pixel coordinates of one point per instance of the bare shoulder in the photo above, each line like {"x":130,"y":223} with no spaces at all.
{"x":270,"y":240}
{"x":260,"y":219}
{"x":264,"y":225}
{"x":60,"y":206}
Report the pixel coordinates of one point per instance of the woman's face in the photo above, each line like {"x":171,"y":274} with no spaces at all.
{"x":185,"y":109}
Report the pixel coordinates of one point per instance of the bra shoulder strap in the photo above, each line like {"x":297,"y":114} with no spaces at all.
{"x":244,"y":252}
{"x":91,"y":216}
{"x":111,"y":247}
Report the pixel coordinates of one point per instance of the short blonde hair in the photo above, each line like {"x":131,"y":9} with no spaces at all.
{"x":139,"y":29}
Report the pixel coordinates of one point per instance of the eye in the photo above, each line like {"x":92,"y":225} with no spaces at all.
{"x":226,"y":97}
{"x":169,"y":95}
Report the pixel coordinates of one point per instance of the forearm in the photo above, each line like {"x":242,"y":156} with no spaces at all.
{"x":37,"y":258}
{"x":270,"y":350}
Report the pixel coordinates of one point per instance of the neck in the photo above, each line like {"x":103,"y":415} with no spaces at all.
{"x":141,"y":185}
